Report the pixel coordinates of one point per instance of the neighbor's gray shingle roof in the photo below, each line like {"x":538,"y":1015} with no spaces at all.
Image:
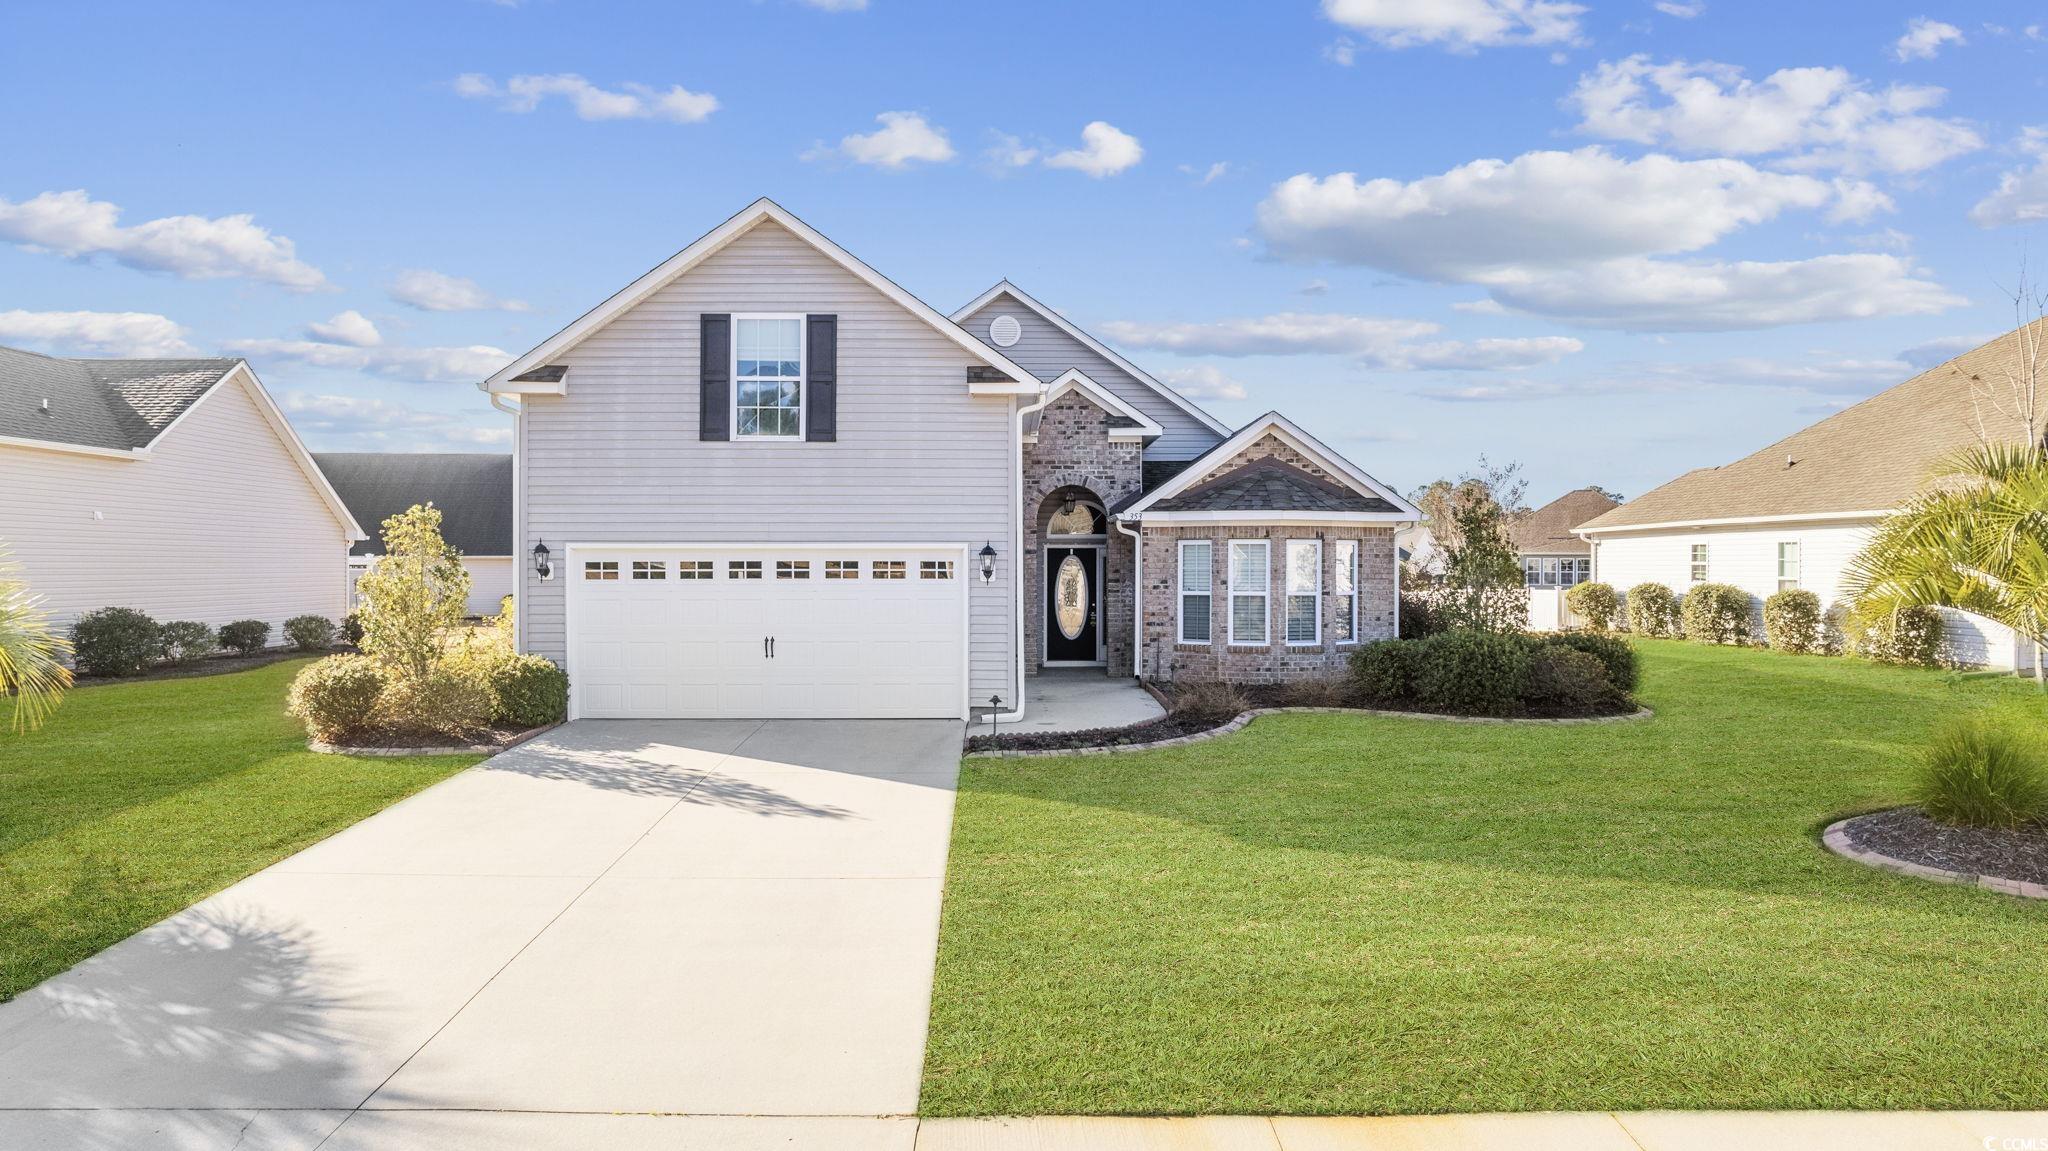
{"x":472,"y":491}
{"x":1267,"y":485}
{"x":1547,"y":531}
{"x":119,"y":404}
{"x":1870,"y":457}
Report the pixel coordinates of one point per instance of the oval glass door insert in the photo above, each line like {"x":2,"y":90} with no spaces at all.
{"x":1070,"y":597}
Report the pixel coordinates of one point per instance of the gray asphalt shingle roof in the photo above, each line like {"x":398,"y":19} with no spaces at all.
{"x":472,"y":490}
{"x":1267,"y":485}
{"x":118,"y":404}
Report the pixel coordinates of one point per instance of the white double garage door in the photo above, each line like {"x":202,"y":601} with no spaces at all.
{"x":825,"y":632}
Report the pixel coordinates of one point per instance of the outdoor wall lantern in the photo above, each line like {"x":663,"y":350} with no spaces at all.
{"x":988,"y":563}
{"x":541,"y":566}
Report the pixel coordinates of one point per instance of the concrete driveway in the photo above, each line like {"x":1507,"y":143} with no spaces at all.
{"x":728,"y":923}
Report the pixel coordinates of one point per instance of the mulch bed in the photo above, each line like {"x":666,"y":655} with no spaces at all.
{"x":1904,"y":833}
{"x":497,"y":737}
{"x":211,"y":665}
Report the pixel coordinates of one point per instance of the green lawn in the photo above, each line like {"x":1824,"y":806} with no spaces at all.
{"x":1346,"y":914}
{"x":140,"y":798}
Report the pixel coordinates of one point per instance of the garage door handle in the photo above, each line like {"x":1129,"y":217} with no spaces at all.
{"x":764,"y":647}
{"x":771,"y":647}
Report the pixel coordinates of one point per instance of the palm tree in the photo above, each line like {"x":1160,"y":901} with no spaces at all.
{"x":1976,"y":539}
{"x":32,"y":655}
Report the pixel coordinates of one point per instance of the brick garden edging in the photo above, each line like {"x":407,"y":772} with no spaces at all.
{"x":1836,"y":839}
{"x":1246,"y":717}
{"x":444,"y":749}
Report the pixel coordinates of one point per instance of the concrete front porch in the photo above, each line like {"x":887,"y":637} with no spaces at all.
{"x":1077,"y":699}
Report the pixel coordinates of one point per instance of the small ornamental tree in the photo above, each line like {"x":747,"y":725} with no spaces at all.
{"x":413,"y":595}
{"x":1595,"y":603}
{"x":1482,"y":585}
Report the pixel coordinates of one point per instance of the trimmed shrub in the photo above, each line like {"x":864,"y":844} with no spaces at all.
{"x":1910,"y":636}
{"x":310,"y":632}
{"x":1420,"y":618}
{"x":1385,"y":671}
{"x":1564,"y":679}
{"x":1472,"y":673}
{"x":1209,"y":701}
{"x":1983,"y":770}
{"x":442,"y":702}
{"x":115,"y":641}
{"x":1615,"y":654}
{"x":247,"y":636}
{"x":1792,"y":621}
{"x":530,"y":691}
{"x":352,"y":628}
{"x":1595,"y":603}
{"x":186,"y":640}
{"x":1715,"y":613}
{"x":1652,"y":610}
{"x":336,"y":697}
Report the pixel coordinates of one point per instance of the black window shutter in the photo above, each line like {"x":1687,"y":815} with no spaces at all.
{"x":821,"y":376}
{"x":714,"y":378}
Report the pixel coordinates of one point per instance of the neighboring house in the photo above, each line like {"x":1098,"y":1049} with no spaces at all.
{"x":471,"y":490}
{"x":1795,"y":513}
{"x":773,"y":483}
{"x":1553,"y":558}
{"x":1419,"y":549}
{"x":172,"y":486}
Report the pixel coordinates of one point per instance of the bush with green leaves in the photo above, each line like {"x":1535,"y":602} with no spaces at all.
{"x":446,"y":701}
{"x":310,"y":632}
{"x":1910,"y":636}
{"x":186,"y":640}
{"x":352,"y":628}
{"x":1793,"y":622}
{"x":116,"y":641}
{"x":414,"y":596}
{"x":1565,"y":681}
{"x":336,"y":698}
{"x":1596,"y":603}
{"x":247,"y":636}
{"x":1615,"y":654}
{"x":1652,"y":610}
{"x":1984,"y":769}
{"x":530,"y":691}
{"x":1419,"y":614}
{"x":1715,"y":613}
{"x":1472,"y":673}
{"x":1385,"y":671}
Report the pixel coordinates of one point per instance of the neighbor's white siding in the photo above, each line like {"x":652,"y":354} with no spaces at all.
{"x":218,"y":523}
{"x":918,"y":459}
{"x":1747,"y":557}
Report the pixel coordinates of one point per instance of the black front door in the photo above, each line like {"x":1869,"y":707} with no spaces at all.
{"x":1071,"y":599}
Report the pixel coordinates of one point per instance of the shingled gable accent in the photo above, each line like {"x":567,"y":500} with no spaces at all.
{"x":1348,"y":493}
{"x":1014,"y":380}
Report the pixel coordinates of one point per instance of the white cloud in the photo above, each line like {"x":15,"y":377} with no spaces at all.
{"x":2022,"y":193}
{"x":1681,"y":11}
{"x":1483,"y":307}
{"x":1009,"y":153}
{"x":1928,"y":353}
{"x":1203,"y":382}
{"x":1205,"y":176}
{"x":675,"y":104}
{"x":838,"y":5}
{"x":1316,"y":287}
{"x":1458,"y":25}
{"x":331,"y":422}
{"x":1924,"y":38}
{"x":1342,"y":52}
{"x":350,"y":327}
{"x":420,"y":365}
{"x":1493,"y":390}
{"x":904,"y":137}
{"x":1811,"y":117}
{"x":74,"y":224}
{"x":1644,"y":295}
{"x":1375,"y":342}
{"x":1857,"y":201}
{"x":1105,"y":151}
{"x":142,"y":335}
{"x":432,"y":291}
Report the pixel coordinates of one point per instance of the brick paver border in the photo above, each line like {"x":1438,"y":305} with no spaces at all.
{"x":1836,"y":838}
{"x":1246,"y":717}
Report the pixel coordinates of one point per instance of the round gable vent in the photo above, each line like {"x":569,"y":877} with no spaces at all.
{"x":1004,"y":330}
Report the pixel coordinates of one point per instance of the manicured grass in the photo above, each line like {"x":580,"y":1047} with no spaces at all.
{"x":1345,"y":914}
{"x":139,"y":799}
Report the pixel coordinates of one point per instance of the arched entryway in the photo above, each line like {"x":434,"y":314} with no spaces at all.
{"x":1074,"y":535}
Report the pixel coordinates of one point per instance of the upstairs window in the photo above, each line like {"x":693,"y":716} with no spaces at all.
{"x":768,"y":377}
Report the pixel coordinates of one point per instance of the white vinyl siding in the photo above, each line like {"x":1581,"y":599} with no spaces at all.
{"x":1304,"y":593}
{"x":1196,"y":586}
{"x":218,"y":523}
{"x":917,"y":460}
{"x":1250,"y":583}
{"x":1344,"y":590}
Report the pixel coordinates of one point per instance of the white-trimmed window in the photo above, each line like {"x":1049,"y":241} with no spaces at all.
{"x":792,"y":569}
{"x":768,"y":377}
{"x":886,"y":569}
{"x":600,"y":569}
{"x":693,"y":569}
{"x":1197,"y":580}
{"x":935,"y":569}
{"x":1304,"y":593}
{"x":743,"y":569}
{"x":1788,"y":565}
{"x":1699,"y":563}
{"x":1251,"y":581}
{"x":650,"y":569}
{"x":842,"y":569}
{"x":1344,"y":590}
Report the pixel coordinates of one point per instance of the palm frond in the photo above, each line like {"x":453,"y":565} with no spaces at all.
{"x":32,"y":654}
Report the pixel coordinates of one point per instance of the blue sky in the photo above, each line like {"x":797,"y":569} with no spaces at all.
{"x":1612,"y":240}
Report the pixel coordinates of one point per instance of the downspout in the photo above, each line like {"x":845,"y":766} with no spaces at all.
{"x":1137,"y":600}
{"x":1017,"y":547}
{"x":1397,"y":587}
{"x":518,"y":414}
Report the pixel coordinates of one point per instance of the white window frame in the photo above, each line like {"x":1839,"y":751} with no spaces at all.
{"x":1785,"y":582}
{"x":1264,"y":595}
{"x":1288,"y":594}
{"x":1182,"y":592}
{"x":1338,"y":564}
{"x":803,"y":377}
{"x":1697,"y":559}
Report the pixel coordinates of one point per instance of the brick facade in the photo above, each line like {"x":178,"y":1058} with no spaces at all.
{"x":1074,"y":456}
